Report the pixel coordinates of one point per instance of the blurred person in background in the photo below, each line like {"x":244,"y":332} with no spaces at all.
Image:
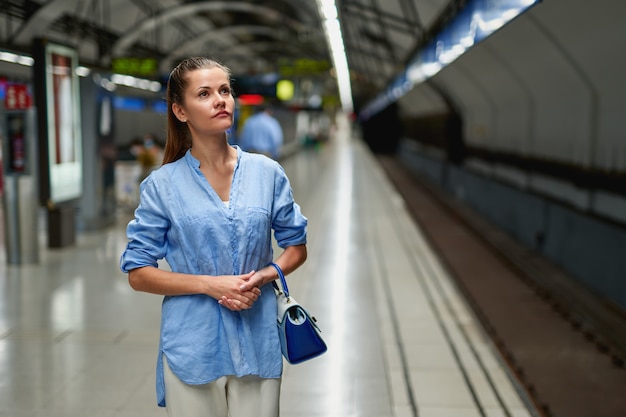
{"x":149,"y":155}
{"x":262,"y":133}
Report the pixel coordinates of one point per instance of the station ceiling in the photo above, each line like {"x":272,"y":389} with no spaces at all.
{"x":251,"y":37}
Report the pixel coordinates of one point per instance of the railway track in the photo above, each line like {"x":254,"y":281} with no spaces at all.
{"x":565,"y":347}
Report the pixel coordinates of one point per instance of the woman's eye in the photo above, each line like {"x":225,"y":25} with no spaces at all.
{"x":225,"y":90}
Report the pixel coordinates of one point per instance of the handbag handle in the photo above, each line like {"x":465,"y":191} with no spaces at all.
{"x":283,"y":281}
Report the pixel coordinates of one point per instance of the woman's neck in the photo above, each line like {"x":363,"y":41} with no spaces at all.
{"x":213,"y":153}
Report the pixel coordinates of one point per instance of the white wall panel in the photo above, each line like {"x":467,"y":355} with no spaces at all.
{"x":550,"y":84}
{"x":510,"y":102}
{"x":561,"y":104}
{"x":422,"y":100}
{"x":478,"y":111}
{"x":594,"y":34}
{"x":589,"y":37}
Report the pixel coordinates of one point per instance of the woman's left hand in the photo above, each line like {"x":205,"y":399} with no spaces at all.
{"x":257,"y":280}
{"x":250,"y":291}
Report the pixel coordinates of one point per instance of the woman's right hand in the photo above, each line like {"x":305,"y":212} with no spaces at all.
{"x":228,"y":292}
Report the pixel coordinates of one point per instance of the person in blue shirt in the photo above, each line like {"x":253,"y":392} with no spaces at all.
{"x":209,"y":211}
{"x":262,"y":133}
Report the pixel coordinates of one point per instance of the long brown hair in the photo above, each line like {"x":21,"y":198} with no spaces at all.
{"x":178,"y":137}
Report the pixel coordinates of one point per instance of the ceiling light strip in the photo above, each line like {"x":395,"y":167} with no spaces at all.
{"x":334,"y":38}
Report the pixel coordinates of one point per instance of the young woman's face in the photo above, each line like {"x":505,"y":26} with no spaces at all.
{"x":209,"y":103}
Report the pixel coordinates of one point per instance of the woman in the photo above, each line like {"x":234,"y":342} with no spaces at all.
{"x":209,"y":211}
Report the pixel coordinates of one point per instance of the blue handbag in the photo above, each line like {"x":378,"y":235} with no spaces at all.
{"x":300,"y":338}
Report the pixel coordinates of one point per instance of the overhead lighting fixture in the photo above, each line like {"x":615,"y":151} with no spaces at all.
{"x":134,"y":82}
{"x":328,"y":9}
{"x":82,"y":71}
{"x":332,"y":28}
{"x":16,"y":58}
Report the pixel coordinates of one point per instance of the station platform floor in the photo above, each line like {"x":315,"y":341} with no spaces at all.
{"x":76,"y":340}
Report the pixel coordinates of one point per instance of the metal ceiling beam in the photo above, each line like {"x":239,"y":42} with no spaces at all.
{"x":246,"y":47}
{"x":364,"y":56}
{"x":350,"y":39}
{"x":249,"y":51}
{"x":398,"y":23}
{"x":147,"y":7}
{"x":358,"y":63}
{"x":196,"y":43}
{"x":383,"y":30}
{"x":359,"y":60}
{"x":40,"y":22}
{"x":356,"y":50}
{"x":409,"y":8}
{"x":166,"y":15}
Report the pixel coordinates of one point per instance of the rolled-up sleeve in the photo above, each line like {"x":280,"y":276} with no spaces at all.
{"x":147,"y":232}
{"x":288,"y":222}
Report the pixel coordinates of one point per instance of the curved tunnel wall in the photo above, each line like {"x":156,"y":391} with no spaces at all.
{"x":548,"y":87}
{"x":550,"y":83}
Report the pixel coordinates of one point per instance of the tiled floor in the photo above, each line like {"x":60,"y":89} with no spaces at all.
{"x":75,"y":340}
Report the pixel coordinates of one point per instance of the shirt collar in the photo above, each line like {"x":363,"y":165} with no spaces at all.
{"x":195,"y":163}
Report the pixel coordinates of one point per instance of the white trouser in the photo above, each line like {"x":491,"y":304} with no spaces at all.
{"x":228,"y":396}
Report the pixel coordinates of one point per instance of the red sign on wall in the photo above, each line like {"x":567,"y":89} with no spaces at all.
{"x":17,"y":97}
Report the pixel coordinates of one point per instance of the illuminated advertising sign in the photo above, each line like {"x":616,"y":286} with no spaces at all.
{"x":16,"y":97}
{"x":57,"y":98}
{"x":135,"y":66}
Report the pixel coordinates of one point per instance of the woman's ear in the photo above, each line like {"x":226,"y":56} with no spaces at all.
{"x":179,"y":113}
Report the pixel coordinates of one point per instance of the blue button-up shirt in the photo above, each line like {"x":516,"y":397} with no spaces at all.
{"x":182,"y":219}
